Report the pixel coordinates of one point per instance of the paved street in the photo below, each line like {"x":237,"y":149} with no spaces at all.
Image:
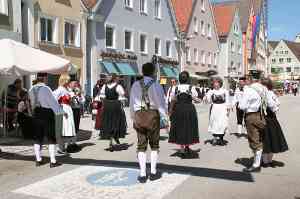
{"x":96,"y":173}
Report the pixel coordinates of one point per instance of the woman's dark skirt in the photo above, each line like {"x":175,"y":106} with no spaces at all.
{"x":274,"y":140}
{"x":113,"y":122}
{"x":77,"y":117}
{"x":184,"y":125}
{"x":46,"y":118}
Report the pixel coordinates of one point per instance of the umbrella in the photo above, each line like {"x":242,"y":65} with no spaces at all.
{"x":18,"y":59}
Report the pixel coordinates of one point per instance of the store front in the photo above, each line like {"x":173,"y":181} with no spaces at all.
{"x":126,"y":70}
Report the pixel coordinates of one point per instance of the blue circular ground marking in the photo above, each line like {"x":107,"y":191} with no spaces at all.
{"x":114,"y":177}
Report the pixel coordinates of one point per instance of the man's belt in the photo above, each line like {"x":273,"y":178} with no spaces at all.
{"x":252,"y":113}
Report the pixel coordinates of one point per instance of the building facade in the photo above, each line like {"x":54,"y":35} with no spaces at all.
{"x":196,"y":22}
{"x":126,"y":34}
{"x":60,"y":29}
{"x":231,"y":41}
{"x":285,"y":61}
{"x":10,"y":19}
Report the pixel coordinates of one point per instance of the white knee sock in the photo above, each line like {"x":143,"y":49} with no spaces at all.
{"x":52,"y":153}
{"x":240,"y":129}
{"x":37,"y":151}
{"x":142,"y":157}
{"x":257,"y":158}
{"x":154,"y":158}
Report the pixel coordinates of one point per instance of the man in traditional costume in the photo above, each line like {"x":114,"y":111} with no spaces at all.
{"x":254,"y":103}
{"x":147,"y":105}
{"x":45,"y":107}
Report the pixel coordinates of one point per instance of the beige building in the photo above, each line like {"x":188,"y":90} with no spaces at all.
{"x":285,"y":60}
{"x":60,"y":29}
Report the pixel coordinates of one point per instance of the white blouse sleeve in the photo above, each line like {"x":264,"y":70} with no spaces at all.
{"x":120,"y":90}
{"x":102,"y":92}
{"x":194,"y":92}
{"x":208,"y":95}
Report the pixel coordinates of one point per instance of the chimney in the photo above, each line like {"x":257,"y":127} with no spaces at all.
{"x":297,"y":38}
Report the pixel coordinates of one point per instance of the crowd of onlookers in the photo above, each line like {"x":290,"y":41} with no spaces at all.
{"x":291,"y":88}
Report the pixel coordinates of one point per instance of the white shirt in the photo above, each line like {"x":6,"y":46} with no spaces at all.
{"x":238,"y":96}
{"x":169,"y":93}
{"x":273,"y":101}
{"x":119,"y":90}
{"x":221,"y":91}
{"x":184,"y":88}
{"x":251,"y":101}
{"x":45,"y":98}
{"x":156,"y":97}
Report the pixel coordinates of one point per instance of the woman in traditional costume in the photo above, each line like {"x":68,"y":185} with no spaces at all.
{"x":114,"y":124}
{"x":184,"y":121}
{"x":219,"y":111}
{"x":273,"y":138}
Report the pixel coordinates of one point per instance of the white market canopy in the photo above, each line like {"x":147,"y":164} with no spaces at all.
{"x":18,"y":59}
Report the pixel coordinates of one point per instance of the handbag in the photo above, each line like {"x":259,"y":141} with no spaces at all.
{"x":145,"y":118}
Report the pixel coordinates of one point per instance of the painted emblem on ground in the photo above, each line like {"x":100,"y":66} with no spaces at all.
{"x":94,"y":182}
{"x":114,"y":177}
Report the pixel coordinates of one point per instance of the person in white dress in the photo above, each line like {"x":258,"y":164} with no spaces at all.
{"x":218,"y":97}
{"x":63,"y":96}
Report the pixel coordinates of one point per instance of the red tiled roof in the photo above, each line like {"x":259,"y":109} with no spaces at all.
{"x":183,"y":10}
{"x":89,"y":3}
{"x":224,"y":15}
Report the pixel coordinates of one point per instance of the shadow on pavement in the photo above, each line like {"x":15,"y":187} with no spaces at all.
{"x":193,"y":171}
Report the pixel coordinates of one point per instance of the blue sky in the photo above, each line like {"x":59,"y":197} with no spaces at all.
{"x":284,"y":19}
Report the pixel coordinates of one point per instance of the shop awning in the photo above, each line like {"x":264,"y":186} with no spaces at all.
{"x":126,"y":69}
{"x":167,"y":71}
{"x":176,"y":71}
{"x":109,"y":67}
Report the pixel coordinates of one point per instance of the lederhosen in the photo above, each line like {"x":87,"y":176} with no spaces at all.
{"x":255,"y":125}
{"x":47,"y":117}
{"x":148,"y":136}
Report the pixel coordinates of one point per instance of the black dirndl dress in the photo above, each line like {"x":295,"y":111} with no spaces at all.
{"x":184,"y":121}
{"x":273,"y":138}
{"x":113,"y":124}
{"x":46,"y":118}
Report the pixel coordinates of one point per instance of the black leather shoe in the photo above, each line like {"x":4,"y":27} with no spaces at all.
{"x":154,"y":177}
{"x":266,"y":165}
{"x":252,"y":169}
{"x":56,"y":164}
{"x":142,"y":179}
{"x":39,"y":163}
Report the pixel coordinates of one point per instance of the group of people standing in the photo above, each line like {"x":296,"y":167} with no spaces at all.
{"x":257,"y":104}
{"x":51,"y":117}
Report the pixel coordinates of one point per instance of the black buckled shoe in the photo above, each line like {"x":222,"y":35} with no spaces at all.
{"x":154,"y":177}
{"x":142,"y":179}
{"x":252,"y":169}
{"x":56,"y":164}
{"x":39,"y":163}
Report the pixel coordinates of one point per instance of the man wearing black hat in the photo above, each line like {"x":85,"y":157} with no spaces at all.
{"x":45,"y":107}
{"x":254,"y":103}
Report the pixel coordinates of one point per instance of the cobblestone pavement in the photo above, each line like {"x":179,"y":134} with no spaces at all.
{"x":96,"y":173}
